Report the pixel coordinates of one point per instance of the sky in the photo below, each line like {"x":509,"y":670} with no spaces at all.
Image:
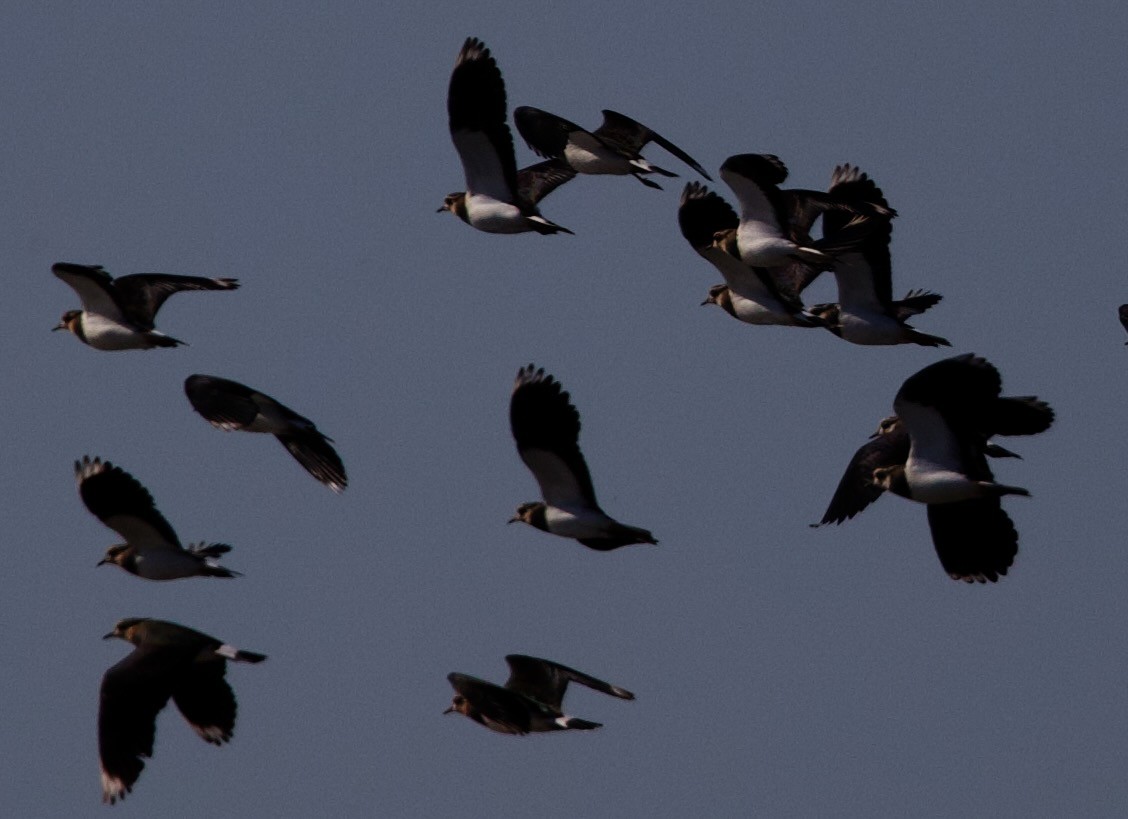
{"x":779,"y":670}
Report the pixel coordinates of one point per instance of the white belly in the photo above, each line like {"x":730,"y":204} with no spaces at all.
{"x":871,"y":328}
{"x":597,"y":161}
{"x":488,"y":214}
{"x":576,"y":524}
{"x":762,"y":247}
{"x":755,"y":312}
{"x":105,"y":334}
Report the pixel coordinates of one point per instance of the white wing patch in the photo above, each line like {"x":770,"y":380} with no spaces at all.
{"x":483,"y":167}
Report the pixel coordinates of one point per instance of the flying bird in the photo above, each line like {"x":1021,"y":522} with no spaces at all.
{"x":529,"y":701}
{"x":118,"y":314}
{"x":949,"y":410}
{"x":889,"y":447}
{"x":546,"y":428}
{"x":756,"y":295}
{"x":168,"y":660}
{"x":774,"y":224}
{"x":151,"y":549}
{"x":866,"y":312}
{"x":612,"y":148}
{"x":498,"y":198}
{"x":229,"y":405}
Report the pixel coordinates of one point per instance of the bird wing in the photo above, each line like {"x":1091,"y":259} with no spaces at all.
{"x":537,"y":181}
{"x":857,"y":489}
{"x":314,"y":452}
{"x":629,"y":136}
{"x":546,"y":681}
{"x":206,"y":701}
{"x":755,"y":179}
{"x":120,"y":501}
{"x":974,"y":539}
{"x":224,"y":403}
{"x":946,"y":401}
{"x":94,"y":286}
{"x":703,"y":213}
{"x":546,"y":428}
{"x":142,"y":294}
{"x":1017,"y":415}
{"x":547,"y":134}
{"x":1122,"y":311}
{"x":132,"y":694}
{"x":507,"y":709}
{"x":477,"y":109}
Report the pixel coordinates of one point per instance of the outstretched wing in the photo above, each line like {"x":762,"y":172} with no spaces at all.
{"x":120,"y":501}
{"x":546,"y":681}
{"x":629,"y":136}
{"x":142,"y":294}
{"x":546,"y":428}
{"x":477,"y":109}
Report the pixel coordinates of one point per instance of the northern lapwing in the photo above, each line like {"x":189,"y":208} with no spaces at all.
{"x":151,"y":549}
{"x":530,"y":700}
{"x":774,"y":223}
{"x":498,"y":198}
{"x":546,"y":428}
{"x":949,"y":409}
{"x":866,"y":312}
{"x":612,"y":148}
{"x":229,"y":405}
{"x":756,"y":295}
{"x":168,"y":660}
{"x":118,"y":314}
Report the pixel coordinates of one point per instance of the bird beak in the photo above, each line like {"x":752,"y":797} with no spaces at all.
{"x":707,"y":301}
{"x":514,"y":519}
{"x":108,"y":636}
{"x":449,"y":710}
{"x":102,"y":562}
{"x":62,"y":325}
{"x":440,"y":210}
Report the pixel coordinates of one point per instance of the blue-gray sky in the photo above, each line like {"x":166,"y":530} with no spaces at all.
{"x":780,"y":670}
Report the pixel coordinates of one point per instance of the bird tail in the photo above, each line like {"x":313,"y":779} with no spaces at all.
{"x":577,"y":724}
{"x":232,"y":653}
{"x":925,"y":340}
{"x":161,"y":340}
{"x":547,"y":228}
{"x":209,"y":549}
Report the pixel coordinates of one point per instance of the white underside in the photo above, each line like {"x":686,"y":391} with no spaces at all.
{"x":103,"y":333}
{"x":488,"y":214}
{"x":872,"y":328}
{"x":580,"y":523}
{"x":167,"y":565}
{"x":767,"y":312}
{"x":597,"y":161}
{"x":931,"y":484}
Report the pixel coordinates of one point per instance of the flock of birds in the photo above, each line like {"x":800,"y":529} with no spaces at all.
{"x":933,"y":450}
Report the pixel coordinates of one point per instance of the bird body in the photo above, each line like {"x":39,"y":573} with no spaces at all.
{"x":152,"y":549}
{"x":169,"y":661}
{"x":531,"y":699}
{"x":229,"y":405}
{"x":118,"y":314}
{"x":546,"y":429}
{"x":612,"y":148}
{"x":498,"y":198}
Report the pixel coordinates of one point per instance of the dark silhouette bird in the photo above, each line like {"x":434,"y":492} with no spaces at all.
{"x":546,"y":428}
{"x":530,"y":700}
{"x":229,"y":405}
{"x":168,"y":661}
{"x":118,"y":314}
